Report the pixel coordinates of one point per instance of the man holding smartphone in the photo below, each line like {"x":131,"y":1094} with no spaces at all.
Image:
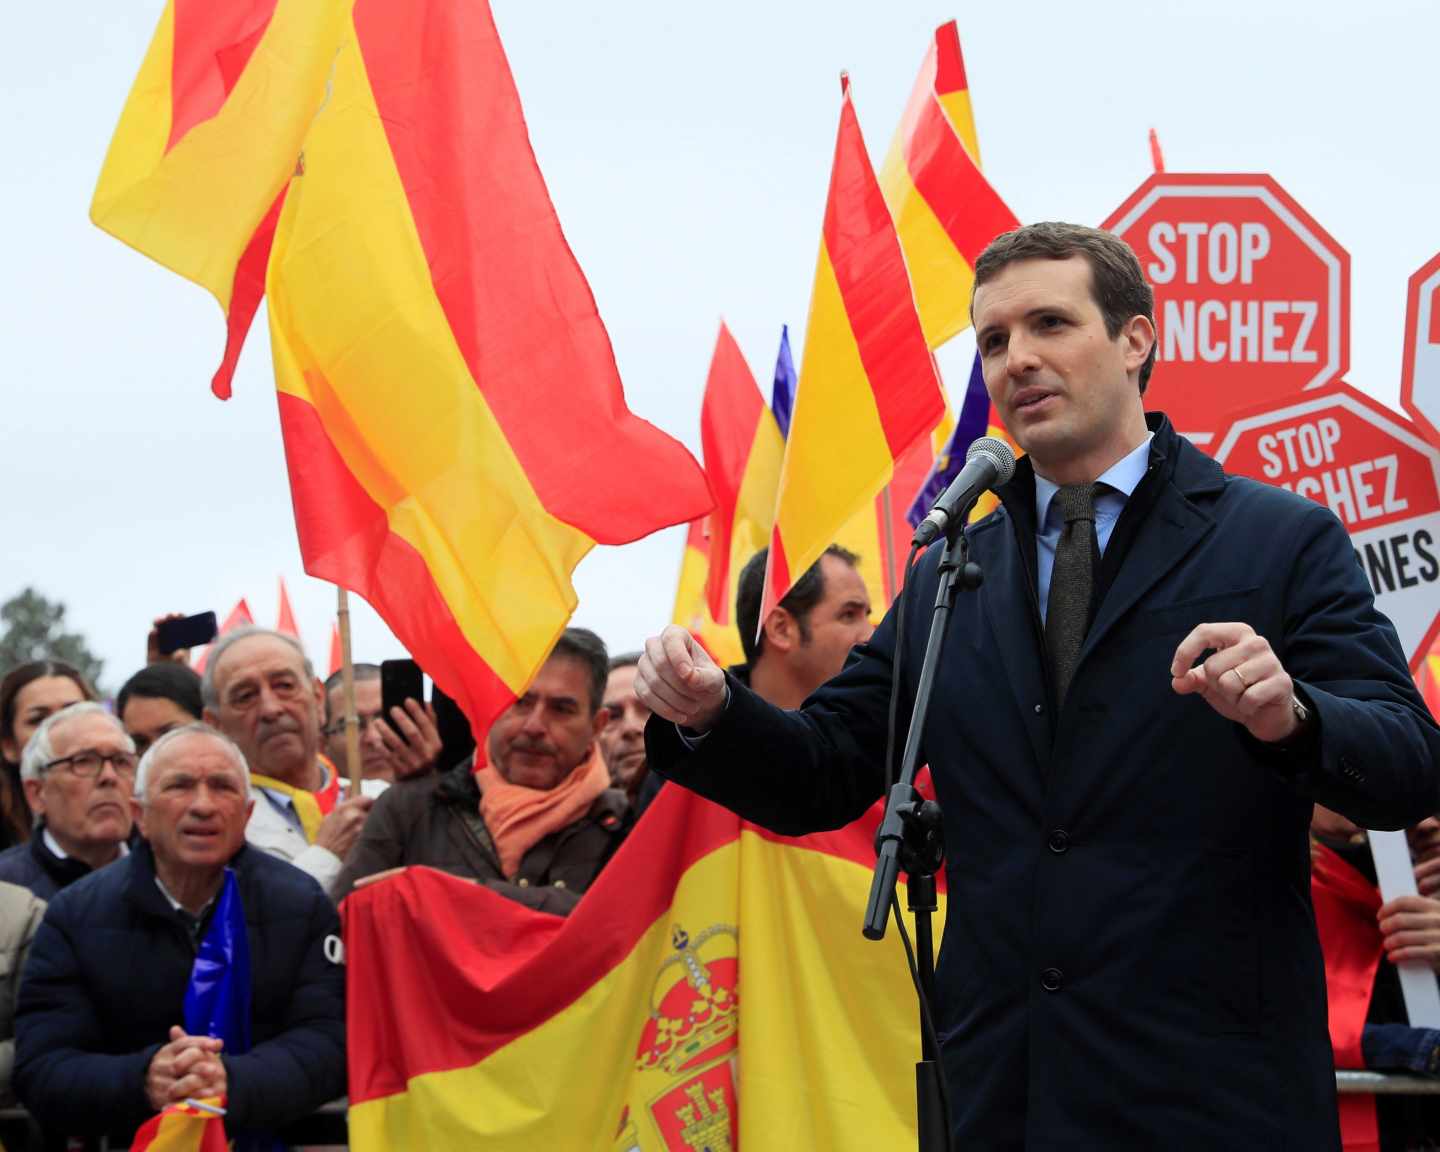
{"x":396,"y":742}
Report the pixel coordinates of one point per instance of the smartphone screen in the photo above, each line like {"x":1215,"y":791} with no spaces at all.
{"x":400,"y":680}
{"x":456,"y":739}
{"x":186,"y":632}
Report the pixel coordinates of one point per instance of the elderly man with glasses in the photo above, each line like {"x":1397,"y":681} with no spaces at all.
{"x":121,"y":1008}
{"x":77,"y":770}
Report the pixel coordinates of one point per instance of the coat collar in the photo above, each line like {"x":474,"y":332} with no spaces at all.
{"x":144,"y":893}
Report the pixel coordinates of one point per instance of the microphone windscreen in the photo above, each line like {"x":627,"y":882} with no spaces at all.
{"x":998,"y":451}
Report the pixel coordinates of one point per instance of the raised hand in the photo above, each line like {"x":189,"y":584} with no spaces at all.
{"x":677,"y":679}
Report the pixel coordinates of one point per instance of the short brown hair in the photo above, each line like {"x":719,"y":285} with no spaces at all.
{"x":1117,"y":284}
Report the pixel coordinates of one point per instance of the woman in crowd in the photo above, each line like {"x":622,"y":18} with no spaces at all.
{"x":28,"y":694}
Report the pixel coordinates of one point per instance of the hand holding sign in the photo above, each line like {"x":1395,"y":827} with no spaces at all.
{"x":1242,"y":680}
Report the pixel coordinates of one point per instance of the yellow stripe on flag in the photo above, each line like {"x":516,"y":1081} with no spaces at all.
{"x":195,"y":208}
{"x":692,"y":612}
{"x":372,"y":328}
{"x":835,"y":406}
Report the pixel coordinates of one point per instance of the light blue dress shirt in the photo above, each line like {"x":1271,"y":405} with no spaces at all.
{"x":1120,"y":480}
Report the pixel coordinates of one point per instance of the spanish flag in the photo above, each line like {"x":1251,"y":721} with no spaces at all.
{"x":454,"y":423}
{"x":692,"y":609}
{"x":868,"y":385}
{"x":876,"y":533}
{"x":208,"y":141}
{"x":702,"y":995}
{"x":743,"y":448}
{"x":945,"y":210}
{"x":194,"y":1126}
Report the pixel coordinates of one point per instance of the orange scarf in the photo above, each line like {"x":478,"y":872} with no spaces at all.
{"x":519,"y":818}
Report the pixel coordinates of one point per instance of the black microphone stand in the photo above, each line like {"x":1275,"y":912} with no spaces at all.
{"x":911,"y":838}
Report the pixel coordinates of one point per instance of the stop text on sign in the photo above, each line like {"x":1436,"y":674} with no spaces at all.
{"x":1251,"y":295}
{"x":1303,"y":459}
{"x":1373,"y":470}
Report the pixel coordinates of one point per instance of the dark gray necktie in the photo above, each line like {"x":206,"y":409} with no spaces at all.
{"x":1072,"y":580}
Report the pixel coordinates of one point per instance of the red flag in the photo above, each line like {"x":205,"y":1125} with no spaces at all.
{"x":1157,"y":158}
{"x":285,"y":619}
{"x":1345,"y":906}
{"x":336,"y":656}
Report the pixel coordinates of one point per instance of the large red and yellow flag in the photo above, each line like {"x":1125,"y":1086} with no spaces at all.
{"x":208,"y":141}
{"x":628,"y":1026}
{"x":692,"y":609}
{"x":868,"y":385}
{"x":945,"y":211}
{"x":743,"y":449}
{"x":455,"y":427}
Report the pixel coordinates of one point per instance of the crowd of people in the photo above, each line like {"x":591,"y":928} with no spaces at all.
{"x":130,"y":832}
{"x":119,"y":820}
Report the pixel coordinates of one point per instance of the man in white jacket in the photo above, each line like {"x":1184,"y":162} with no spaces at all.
{"x":261,"y":691}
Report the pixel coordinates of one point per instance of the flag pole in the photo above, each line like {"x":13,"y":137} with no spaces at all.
{"x":347,"y":691}
{"x":887,"y":519}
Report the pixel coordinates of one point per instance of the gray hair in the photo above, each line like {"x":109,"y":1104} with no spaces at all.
{"x":147,"y":762}
{"x":209,"y":691}
{"x":40,"y":748}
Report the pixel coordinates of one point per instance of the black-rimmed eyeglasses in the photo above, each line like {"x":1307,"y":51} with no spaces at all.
{"x":89,"y":763}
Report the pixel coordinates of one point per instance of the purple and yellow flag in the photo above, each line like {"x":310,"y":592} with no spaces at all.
{"x":454,"y":423}
{"x":628,"y":1025}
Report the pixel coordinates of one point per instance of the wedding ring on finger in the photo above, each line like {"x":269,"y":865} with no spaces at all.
{"x":1244,"y":684}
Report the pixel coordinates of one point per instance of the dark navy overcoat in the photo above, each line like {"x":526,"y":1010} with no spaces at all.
{"x":1129,"y":958}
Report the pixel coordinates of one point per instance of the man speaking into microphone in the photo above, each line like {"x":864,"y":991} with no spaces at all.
{"x":1164,"y":667}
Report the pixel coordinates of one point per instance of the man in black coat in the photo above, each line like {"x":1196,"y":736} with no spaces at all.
{"x":1164,"y":667}
{"x":99,"y":1041}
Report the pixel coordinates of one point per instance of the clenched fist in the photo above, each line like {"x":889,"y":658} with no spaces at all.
{"x":677,"y":679}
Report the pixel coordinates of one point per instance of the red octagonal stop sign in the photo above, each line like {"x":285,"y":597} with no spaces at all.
{"x":1372,"y":468}
{"x":1252,"y":297}
{"x":1420,"y":379}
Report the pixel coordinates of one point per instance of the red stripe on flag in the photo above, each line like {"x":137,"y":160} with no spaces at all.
{"x":875,"y":288}
{"x":345,"y":538}
{"x":518,"y":304}
{"x":777,"y":575}
{"x":524,"y":967}
{"x":968,"y":208}
{"x":1434,"y":337}
{"x":245,"y":296}
{"x":729,"y":416}
{"x":949,"y":63}
{"x":213,"y":43}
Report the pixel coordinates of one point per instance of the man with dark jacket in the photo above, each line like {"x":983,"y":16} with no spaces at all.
{"x":1162,"y":670}
{"x":99,"y":1040}
{"x":536,"y":824}
{"x":77,"y":771}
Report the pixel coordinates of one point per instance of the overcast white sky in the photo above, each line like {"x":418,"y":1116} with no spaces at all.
{"x":687,"y":151}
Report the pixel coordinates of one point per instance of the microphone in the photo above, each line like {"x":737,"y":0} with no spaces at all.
{"x":988,"y":463}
